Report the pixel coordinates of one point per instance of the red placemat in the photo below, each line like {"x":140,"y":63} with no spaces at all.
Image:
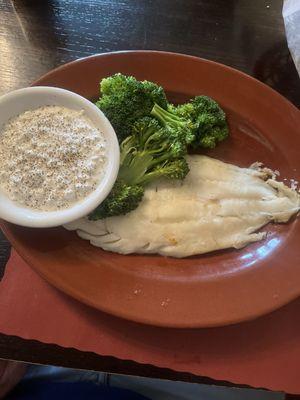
{"x":262,"y":353}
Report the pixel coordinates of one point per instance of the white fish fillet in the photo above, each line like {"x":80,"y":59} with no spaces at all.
{"x":217,"y":206}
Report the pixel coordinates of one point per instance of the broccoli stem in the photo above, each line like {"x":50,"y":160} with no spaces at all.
{"x":165,"y":117}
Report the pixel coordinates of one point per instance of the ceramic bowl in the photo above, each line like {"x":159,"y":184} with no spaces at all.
{"x":18,"y":101}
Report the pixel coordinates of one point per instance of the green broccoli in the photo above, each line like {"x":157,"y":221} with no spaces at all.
{"x":153,"y":135}
{"x":177,"y":169}
{"x":124,"y":100}
{"x":175,"y":124}
{"x":148,"y":130}
{"x":147,"y":155}
{"x":208,"y":117}
{"x":122,"y":199}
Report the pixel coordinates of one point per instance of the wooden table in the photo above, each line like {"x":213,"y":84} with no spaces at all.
{"x":38,"y":35}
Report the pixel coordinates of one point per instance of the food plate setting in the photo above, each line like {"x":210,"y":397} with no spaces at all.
{"x":168,"y":197}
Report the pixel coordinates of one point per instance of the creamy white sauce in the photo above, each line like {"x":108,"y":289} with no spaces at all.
{"x":51,"y":158}
{"x":217,"y":206}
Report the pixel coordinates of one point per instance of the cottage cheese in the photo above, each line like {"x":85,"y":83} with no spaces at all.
{"x":51,"y":158}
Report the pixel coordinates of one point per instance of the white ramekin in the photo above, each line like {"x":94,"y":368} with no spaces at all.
{"x":18,"y":101}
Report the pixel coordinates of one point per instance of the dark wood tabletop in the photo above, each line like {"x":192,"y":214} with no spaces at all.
{"x":38,"y":35}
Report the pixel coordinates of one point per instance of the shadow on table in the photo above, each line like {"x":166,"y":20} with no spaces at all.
{"x":277,"y":69}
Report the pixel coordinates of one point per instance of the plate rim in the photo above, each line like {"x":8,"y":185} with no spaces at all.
{"x":168,"y":53}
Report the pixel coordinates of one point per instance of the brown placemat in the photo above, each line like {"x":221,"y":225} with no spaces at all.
{"x":262,"y":353}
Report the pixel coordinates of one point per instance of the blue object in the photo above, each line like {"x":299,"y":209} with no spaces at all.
{"x":41,"y":390}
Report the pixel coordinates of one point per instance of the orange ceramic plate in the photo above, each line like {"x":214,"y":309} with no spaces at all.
{"x":209,"y":290}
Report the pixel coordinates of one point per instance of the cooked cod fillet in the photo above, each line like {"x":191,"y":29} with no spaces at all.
{"x":217,"y":206}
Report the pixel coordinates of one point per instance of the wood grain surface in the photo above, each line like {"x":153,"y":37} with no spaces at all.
{"x":38,"y":35}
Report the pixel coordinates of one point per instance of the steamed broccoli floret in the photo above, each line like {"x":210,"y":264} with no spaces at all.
{"x":175,"y":124}
{"x":209,"y":119}
{"x":125,"y":99}
{"x":148,"y":154}
{"x":153,"y":148}
{"x":152,"y":136}
{"x":177,"y":169}
{"x":122,"y":199}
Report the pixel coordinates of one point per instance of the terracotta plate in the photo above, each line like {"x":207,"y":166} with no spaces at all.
{"x":215,"y":289}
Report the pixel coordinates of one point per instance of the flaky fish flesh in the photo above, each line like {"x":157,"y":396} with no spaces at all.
{"x":217,"y":206}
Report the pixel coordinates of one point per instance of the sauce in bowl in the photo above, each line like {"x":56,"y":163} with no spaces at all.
{"x":51,"y":157}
